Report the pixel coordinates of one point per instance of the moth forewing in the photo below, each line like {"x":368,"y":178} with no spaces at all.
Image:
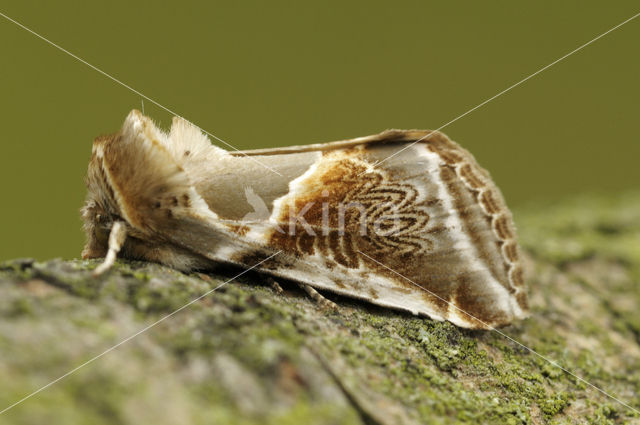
{"x":412,"y":226}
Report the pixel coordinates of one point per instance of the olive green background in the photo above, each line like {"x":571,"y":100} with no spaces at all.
{"x":260,"y":74}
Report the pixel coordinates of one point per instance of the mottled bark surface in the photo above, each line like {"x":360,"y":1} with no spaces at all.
{"x":245,"y":355}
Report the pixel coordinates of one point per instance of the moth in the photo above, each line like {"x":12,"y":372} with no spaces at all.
{"x":404,"y":219}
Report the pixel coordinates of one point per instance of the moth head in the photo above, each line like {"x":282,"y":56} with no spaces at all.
{"x":97,"y":226}
{"x":104,"y":224}
{"x":136,"y":186}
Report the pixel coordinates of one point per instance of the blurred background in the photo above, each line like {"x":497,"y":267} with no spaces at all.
{"x":262,"y":74}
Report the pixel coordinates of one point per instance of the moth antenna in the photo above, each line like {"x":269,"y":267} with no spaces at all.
{"x":117,"y":237}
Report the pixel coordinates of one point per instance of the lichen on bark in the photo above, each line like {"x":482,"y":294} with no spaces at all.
{"x":246,"y":355}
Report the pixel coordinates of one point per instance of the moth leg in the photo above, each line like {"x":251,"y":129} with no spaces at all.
{"x":274,"y":285}
{"x":317,"y":297}
{"x":117,"y":236}
{"x":204,"y":277}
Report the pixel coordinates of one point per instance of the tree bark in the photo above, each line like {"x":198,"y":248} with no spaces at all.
{"x":244,"y":354}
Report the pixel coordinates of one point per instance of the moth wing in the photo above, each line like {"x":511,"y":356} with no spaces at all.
{"x":387,"y":136}
{"x":424,"y":229}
